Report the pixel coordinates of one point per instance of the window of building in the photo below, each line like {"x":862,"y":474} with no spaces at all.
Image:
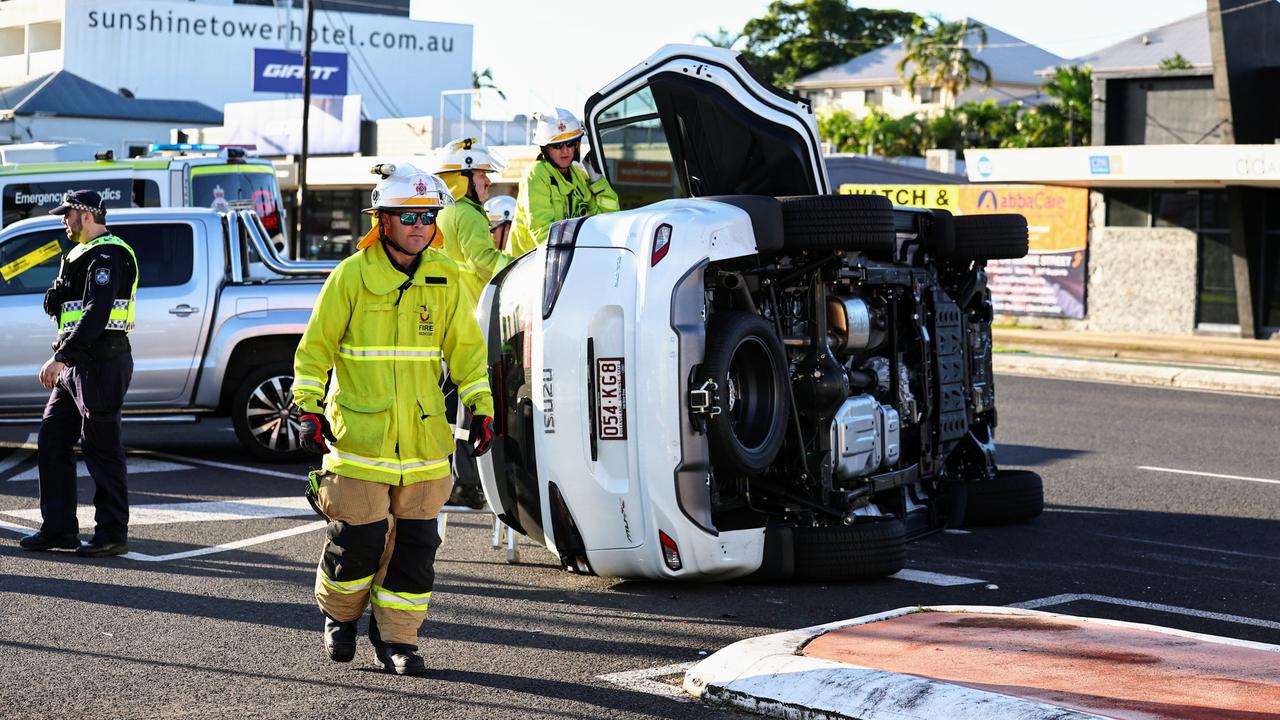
{"x":1128,"y":208}
{"x":1204,"y":212}
{"x":1270,"y":314}
{"x":333,"y":223}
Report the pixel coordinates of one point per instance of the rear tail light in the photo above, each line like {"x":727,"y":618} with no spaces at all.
{"x":670,"y":553}
{"x":661,"y":244}
{"x":559,"y":249}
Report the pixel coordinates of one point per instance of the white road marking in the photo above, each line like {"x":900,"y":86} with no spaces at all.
{"x":19,"y":455}
{"x":136,"y":467}
{"x":932,"y":578}
{"x":209,"y":511}
{"x":235,"y":545}
{"x":1183,"y":546}
{"x":643,"y":681}
{"x":1208,"y":474}
{"x":1159,"y":607}
{"x":225,"y":466}
{"x":20,"y":529}
{"x":957,"y":531}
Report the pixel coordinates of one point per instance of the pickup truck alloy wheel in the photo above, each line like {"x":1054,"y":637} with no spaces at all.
{"x":264,"y":416}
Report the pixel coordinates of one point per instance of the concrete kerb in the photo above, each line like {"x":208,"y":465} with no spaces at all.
{"x":769,"y":675}
{"x":1130,"y":373}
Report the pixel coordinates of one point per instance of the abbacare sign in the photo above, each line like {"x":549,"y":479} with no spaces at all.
{"x":202,"y":52}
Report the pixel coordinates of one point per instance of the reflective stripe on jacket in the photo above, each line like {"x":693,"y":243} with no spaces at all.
{"x":465,"y":226}
{"x":123,"y":310}
{"x":384,"y":335}
{"x":546,"y":197}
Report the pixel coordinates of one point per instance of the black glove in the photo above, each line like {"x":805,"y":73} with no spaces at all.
{"x":315,"y":430}
{"x":481,"y":434}
{"x":54,"y":297}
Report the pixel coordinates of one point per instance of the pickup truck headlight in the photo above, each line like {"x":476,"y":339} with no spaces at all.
{"x":559,"y":249}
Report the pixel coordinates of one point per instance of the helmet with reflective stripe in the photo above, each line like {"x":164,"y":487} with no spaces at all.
{"x":467,"y":154}
{"x":405,"y":186}
{"x":555,"y":126}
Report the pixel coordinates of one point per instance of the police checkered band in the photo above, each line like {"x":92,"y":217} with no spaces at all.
{"x":81,"y":206}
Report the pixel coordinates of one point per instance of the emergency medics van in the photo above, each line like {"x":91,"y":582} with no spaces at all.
{"x":222,"y":177}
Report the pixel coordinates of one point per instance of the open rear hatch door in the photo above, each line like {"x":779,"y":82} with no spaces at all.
{"x":694,"y":121}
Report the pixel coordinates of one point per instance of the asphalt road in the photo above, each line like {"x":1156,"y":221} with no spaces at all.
{"x":235,"y":633}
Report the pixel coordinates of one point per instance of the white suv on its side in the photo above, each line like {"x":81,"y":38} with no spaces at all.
{"x":744,"y":375}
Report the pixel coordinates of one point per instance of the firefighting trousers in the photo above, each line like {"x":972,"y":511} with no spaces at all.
{"x":380,"y":551}
{"x":85,"y":406}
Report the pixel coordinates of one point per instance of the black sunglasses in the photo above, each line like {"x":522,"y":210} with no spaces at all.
{"x":563,"y":145}
{"x":428,"y":217}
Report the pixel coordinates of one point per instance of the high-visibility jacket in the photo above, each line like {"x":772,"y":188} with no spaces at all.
{"x":123,"y":307}
{"x":384,"y":335}
{"x":465,"y":226}
{"x":546,"y":196}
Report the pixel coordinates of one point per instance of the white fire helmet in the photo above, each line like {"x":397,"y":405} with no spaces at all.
{"x":404,"y":185}
{"x":501,"y":209}
{"x":467,"y":154}
{"x":555,"y":126}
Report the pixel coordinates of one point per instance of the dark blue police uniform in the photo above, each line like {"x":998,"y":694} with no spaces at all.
{"x":93,"y":302}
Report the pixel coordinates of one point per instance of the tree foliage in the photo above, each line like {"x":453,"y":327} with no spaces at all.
{"x":797,"y":37}
{"x":941,"y":54}
{"x":1175,"y":61}
{"x":1063,"y":119}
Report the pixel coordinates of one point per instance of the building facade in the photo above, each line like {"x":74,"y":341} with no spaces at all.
{"x":217,"y":52}
{"x":871,"y":81}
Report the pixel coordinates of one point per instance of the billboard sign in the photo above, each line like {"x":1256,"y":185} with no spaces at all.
{"x":209,"y":52}
{"x":281,"y":71}
{"x":1050,"y":280}
{"x":275,"y":126}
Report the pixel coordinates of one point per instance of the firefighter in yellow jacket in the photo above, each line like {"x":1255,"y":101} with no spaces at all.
{"x":464,"y":166}
{"x":559,"y":185}
{"x":384,"y":321}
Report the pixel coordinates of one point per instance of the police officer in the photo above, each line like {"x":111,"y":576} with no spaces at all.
{"x":92,"y":301}
{"x":384,"y":321}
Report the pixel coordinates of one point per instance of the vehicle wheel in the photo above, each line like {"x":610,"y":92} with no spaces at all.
{"x":264,"y":416}
{"x":989,"y":237}
{"x":746,"y":360}
{"x":1013,"y":496}
{"x":862,"y":551}
{"x":837,"y":222}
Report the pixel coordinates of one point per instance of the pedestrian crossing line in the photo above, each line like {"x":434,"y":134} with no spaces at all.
{"x":933,"y":578}
{"x":225,"y":547}
{"x":188,"y":512}
{"x":135,"y":467}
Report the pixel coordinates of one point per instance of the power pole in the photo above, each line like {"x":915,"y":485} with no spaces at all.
{"x":310,"y":10}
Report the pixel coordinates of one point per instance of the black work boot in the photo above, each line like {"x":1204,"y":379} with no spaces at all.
{"x":399,"y":659}
{"x":395,"y":657}
{"x":339,"y":639}
{"x":41,"y":541}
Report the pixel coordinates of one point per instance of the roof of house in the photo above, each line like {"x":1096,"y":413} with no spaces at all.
{"x":68,"y":95}
{"x":1011,"y":60}
{"x":1144,"y":51}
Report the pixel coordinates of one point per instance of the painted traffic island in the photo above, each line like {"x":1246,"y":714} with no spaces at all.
{"x":956,"y":662}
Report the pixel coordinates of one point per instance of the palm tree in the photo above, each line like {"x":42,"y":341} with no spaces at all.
{"x":483,"y":80}
{"x":940,"y":56}
{"x":721,"y":38}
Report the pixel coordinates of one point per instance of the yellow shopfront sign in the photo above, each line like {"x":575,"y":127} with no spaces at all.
{"x":1051,"y":279}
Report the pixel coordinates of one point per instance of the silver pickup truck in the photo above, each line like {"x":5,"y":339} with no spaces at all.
{"x":219,"y":315}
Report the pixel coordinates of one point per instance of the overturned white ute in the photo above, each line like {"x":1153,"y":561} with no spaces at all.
{"x":752,"y":378}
